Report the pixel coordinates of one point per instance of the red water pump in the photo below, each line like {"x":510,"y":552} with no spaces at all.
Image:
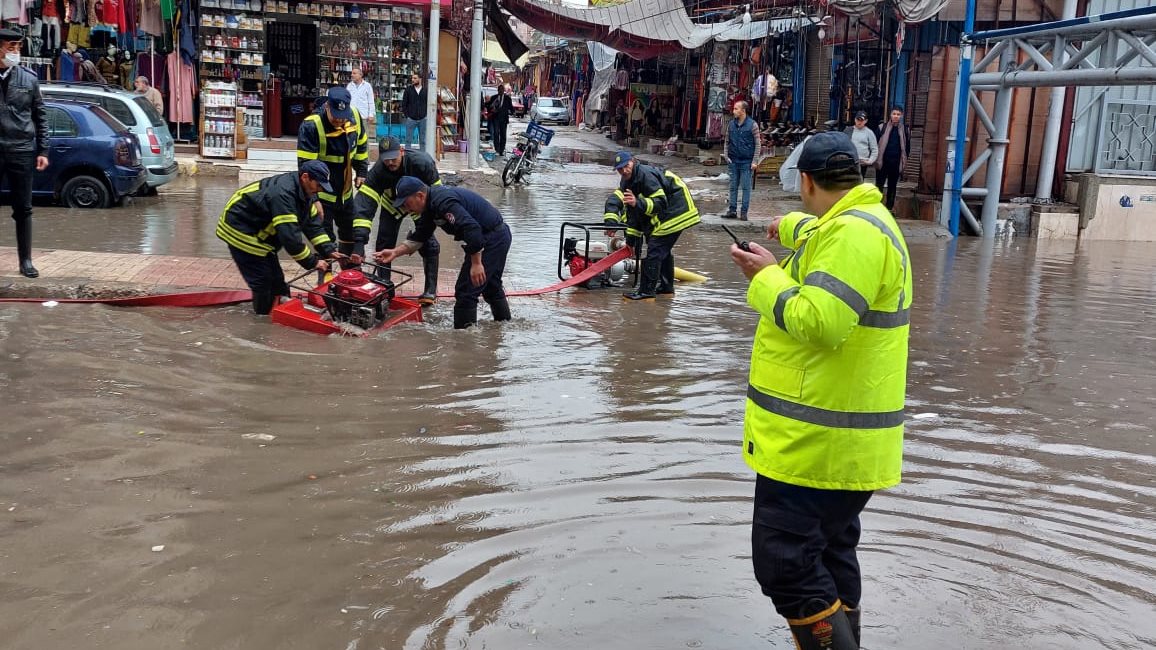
{"x":358,"y":299}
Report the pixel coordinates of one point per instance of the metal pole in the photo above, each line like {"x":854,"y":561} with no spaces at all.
{"x":966,"y":51}
{"x":432,"y":128}
{"x":1055,"y":116}
{"x":475,"y":103}
{"x":998,"y":145}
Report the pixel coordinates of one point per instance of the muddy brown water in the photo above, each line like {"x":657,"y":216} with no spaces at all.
{"x":571,"y":480}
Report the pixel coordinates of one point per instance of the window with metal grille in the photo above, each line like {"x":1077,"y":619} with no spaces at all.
{"x":1128,"y":138}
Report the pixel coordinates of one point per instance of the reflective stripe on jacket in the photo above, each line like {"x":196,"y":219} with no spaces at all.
{"x":829,"y":365}
{"x":378,"y":190}
{"x":274,"y":213}
{"x":664,"y":204}
{"x":345,"y":151}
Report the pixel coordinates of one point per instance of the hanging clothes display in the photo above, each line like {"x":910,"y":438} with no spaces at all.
{"x":182,"y":88}
{"x":150,"y":17}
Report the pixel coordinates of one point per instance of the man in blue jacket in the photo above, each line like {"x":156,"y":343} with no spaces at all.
{"x":742,"y":149}
{"x":471,"y":220}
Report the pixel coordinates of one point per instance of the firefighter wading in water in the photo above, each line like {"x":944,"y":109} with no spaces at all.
{"x":656,"y":203}
{"x":335,"y":135}
{"x":394,"y":163}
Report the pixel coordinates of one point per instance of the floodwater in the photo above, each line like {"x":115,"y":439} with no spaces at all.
{"x":570,"y":480}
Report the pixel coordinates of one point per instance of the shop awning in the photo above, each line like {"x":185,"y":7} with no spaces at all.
{"x":642,"y":29}
{"x":492,"y":51}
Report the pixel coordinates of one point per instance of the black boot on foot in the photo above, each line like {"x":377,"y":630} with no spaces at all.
{"x":827,"y":629}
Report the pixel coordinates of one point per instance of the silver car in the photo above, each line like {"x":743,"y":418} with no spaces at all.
{"x":157,"y":150}
{"x":550,"y":109}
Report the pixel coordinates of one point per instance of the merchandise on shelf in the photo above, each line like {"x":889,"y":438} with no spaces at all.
{"x":218,"y":119}
{"x":448,"y":119}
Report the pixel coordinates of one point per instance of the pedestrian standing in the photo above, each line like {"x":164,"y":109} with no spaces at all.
{"x":893,"y":140}
{"x":500,"y":106}
{"x":471,"y":220}
{"x":361,"y":96}
{"x":865,"y":143}
{"x":413,"y":107}
{"x":824,"y":411}
{"x":23,"y":139}
{"x":151,"y":94}
{"x":742,"y":149}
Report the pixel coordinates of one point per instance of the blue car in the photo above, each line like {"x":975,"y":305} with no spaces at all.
{"x":93,"y":159}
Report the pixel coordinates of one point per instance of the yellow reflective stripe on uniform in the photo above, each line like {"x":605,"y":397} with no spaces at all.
{"x":304,"y":253}
{"x":370,"y":193}
{"x":438,"y":182}
{"x":633,"y":232}
{"x":824,"y":417}
{"x":320,"y":239}
{"x":240,"y":240}
{"x":307,"y":155}
{"x":240,"y":194}
{"x":611,"y":216}
{"x":284,"y":218}
{"x":361,"y":156}
{"x":362,"y":223}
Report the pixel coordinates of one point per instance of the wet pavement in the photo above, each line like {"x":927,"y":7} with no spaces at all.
{"x":570,"y":480}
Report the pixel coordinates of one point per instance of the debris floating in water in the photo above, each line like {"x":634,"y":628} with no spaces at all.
{"x":265,"y":437}
{"x":925,"y":416}
{"x":158,"y":548}
{"x":50,"y":303}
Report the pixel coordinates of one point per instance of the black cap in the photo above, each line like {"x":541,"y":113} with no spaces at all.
{"x":407,"y":187}
{"x":828,"y":150}
{"x":7,"y":35}
{"x":389,"y":148}
{"x":319,"y":172}
{"x":861,"y":115}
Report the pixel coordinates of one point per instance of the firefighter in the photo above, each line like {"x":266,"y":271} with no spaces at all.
{"x":471,"y":220}
{"x":271,"y":214}
{"x":824,"y":410}
{"x":394,"y":163}
{"x":655,"y":204}
{"x":335,"y":135}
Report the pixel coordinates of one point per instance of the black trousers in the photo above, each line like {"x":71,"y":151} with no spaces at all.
{"x":388,"y":227}
{"x":498,"y":133}
{"x":658,"y":267}
{"x":16,"y":171}
{"x":264,"y":276}
{"x":494,"y":260}
{"x":888,"y":174}
{"x":341,"y":216}
{"x":803,"y":546}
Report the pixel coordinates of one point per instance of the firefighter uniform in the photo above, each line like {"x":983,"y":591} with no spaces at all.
{"x":479,"y":226}
{"x":378,"y":191}
{"x":262,"y":218}
{"x":345,"y":151}
{"x":664,"y":209}
{"x":824,"y":412}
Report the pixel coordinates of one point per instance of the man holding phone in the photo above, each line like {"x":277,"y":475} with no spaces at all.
{"x":824,"y":412}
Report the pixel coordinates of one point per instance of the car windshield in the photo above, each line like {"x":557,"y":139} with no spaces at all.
{"x":550,"y":103}
{"x":145,"y":105}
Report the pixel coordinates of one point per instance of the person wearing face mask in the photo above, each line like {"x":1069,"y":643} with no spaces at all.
{"x":396,"y":162}
{"x":23,"y":139}
{"x":335,"y":135}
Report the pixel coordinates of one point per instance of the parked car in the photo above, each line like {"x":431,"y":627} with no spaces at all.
{"x":93,"y":159}
{"x":550,"y":109}
{"x":519,"y":108}
{"x":157,"y":150}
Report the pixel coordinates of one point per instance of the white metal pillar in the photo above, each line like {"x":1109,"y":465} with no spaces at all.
{"x":475,"y":103}
{"x":432,"y":128}
{"x":1054,"y":126}
{"x":1001,"y":119}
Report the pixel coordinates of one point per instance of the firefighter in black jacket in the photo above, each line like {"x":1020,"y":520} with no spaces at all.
{"x":471,"y":220}
{"x":395,"y":163}
{"x":657,"y":204}
{"x":335,"y":135}
{"x":271,"y":214}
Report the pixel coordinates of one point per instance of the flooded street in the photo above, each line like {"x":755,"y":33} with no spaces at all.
{"x":569,"y":481}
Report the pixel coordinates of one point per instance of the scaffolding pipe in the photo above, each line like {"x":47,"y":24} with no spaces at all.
{"x":1054,"y":124}
{"x":1101,"y":77}
{"x":475,"y":104}
{"x":956,"y":145}
{"x":1144,"y":17}
{"x":998,"y":145}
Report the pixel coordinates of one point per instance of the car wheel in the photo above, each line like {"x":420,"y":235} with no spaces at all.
{"x":85,"y":192}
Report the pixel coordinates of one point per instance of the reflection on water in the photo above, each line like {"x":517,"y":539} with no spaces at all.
{"x":573,"y":479}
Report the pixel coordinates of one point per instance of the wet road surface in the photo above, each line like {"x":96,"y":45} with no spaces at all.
{"x":571,"y":480}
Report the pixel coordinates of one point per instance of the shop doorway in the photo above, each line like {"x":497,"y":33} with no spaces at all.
{"x":293,"y":68}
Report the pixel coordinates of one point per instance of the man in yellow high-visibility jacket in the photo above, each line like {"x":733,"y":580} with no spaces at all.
{"x":824,"y":411}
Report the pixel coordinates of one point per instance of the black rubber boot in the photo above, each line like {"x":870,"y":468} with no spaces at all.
{"x":465,"y":317}
{"x":429,"y":267}
{"x":666,"y":278}
{"x":501,"y":309}
{"x":24,"y":248}
{"x":827,"y":629}
{"x":263,"y":302}
{"x":853,"y":618}
{"x":651,"y":271}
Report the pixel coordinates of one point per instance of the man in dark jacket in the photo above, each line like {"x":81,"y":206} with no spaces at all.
{"x":500,"y":107}
{"x":471,"y":220}
{"x":893,"y":146}
{"x":742,"y":149}
{"x":655,"y":203}
{"x":23,"y":140}
{"x":394,"y":164}
{"x":272,"y":214}
{"x":413,"y":106}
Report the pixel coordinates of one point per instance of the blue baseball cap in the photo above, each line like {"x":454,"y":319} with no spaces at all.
{"x":407,"y":187}
{"x":319,"y":172}
{"x":389,"y":148}
{"x":338,"y":100}
{"x":621,"y":158}
{"x":828,"y":150}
